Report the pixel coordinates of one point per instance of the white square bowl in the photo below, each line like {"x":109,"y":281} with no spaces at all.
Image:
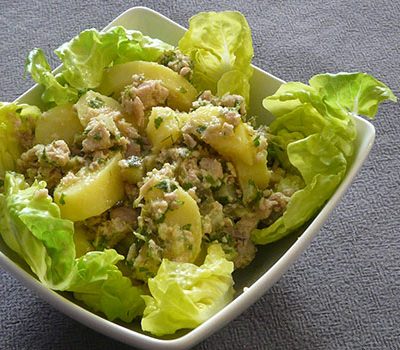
{"x":251,"y":283}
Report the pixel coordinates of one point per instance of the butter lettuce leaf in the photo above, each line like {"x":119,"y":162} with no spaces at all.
{"x":220,"y":45}
{"x":84,"y":59}
{"x":138,"y":47}
{"x":358,"y":93}
{"x":86,"y":55}
{"x":313,"y":134}
{"x":30,"y":224}
{"x":184,"y":295}
{"x":16,"y":122}
{"x":99,"y":283}
{"x":55,"y":91}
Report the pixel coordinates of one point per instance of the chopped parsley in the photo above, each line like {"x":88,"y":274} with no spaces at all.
{"x":160,"y":219}
{"x":201,"y":128}
{"x":97,"y":137}
{"x":62,"y":198}
{"x":187,"y":227}
{"x":96,"y":103}
{"x":187,"y":185}
{"x":256,"y":141}
{"x":166,"y":186}
{"x":158,"y":121}
{"x":182,"y":90}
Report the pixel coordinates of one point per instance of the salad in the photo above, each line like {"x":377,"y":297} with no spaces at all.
{"x":143,"y":181}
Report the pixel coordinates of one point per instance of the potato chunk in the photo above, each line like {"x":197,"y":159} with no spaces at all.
{"x":90,"y":192}
{"x":92,"y":105}
{"x":181,"y":92}
{"x":58,"y":123}
{"x":234,"y":143}
{"x":164,"y":127}
{"x":176,"y":214}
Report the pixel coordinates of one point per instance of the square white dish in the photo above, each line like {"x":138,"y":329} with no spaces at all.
{"x":272,"y":260}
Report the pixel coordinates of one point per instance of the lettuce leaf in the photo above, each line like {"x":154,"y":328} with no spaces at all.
{"x":54,"y":90}
{"x":15,"y":121}
{"x":139,"y":47}
{"x":313,"y":134}
{"x":100,"y":284}
{"x":86,"y":56}
{"x":220,"y":45}
{"x":184,"y":295}
{"x":358,"y":93}
{"x":30,"y":224}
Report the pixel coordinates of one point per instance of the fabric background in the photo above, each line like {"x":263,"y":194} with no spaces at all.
{"x":344,"y":291}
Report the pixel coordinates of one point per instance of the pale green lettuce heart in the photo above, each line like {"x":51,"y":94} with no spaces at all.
{"x":184,"y":295}
{"x":221,"y":48}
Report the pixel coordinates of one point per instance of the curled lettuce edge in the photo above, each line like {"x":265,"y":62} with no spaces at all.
{"x":314,"y":133}
{"x":15,"y":119}
{"x":221,"y":49}
{"x":184,"y":295}
{"x":84,"y":59}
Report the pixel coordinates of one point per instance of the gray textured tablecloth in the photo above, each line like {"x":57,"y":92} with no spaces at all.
{"x":344,"y":291}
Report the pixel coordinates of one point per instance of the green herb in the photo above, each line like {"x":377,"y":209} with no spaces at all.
{"x":44,"y":155}
{"x":97,"y":137}
{"x":160,"y":219}
{"x":213,"y":182}
{"x":187,"y":185}
{"x":182,"y":90}
{"x":210,"y":179}
{"x":100,"y":243}
{"x":256,"y":141}
{"x":238,"y":104}
{"x":166,"y":186}
{"x":187,"y":227}
{"x":158,"y":121}
{"x":251,"y":183}
{"x":62,"y":198}
{"x":96,"y":103}
{"x":201,"y":128}
{"x":223,"y":200}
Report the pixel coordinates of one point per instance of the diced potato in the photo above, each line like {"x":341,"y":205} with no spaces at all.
{"x":92,"y":193}
{"x":58,"y":123}
{"x":186,"y":216}
{"x":181,"y":92}
{"x":92,"y":104}
{"x":257,"y":174}
{"x":164,"y":127}
{"x":238,"y":145}
{"x":82,"y":242}
{"x":132,"y":170}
